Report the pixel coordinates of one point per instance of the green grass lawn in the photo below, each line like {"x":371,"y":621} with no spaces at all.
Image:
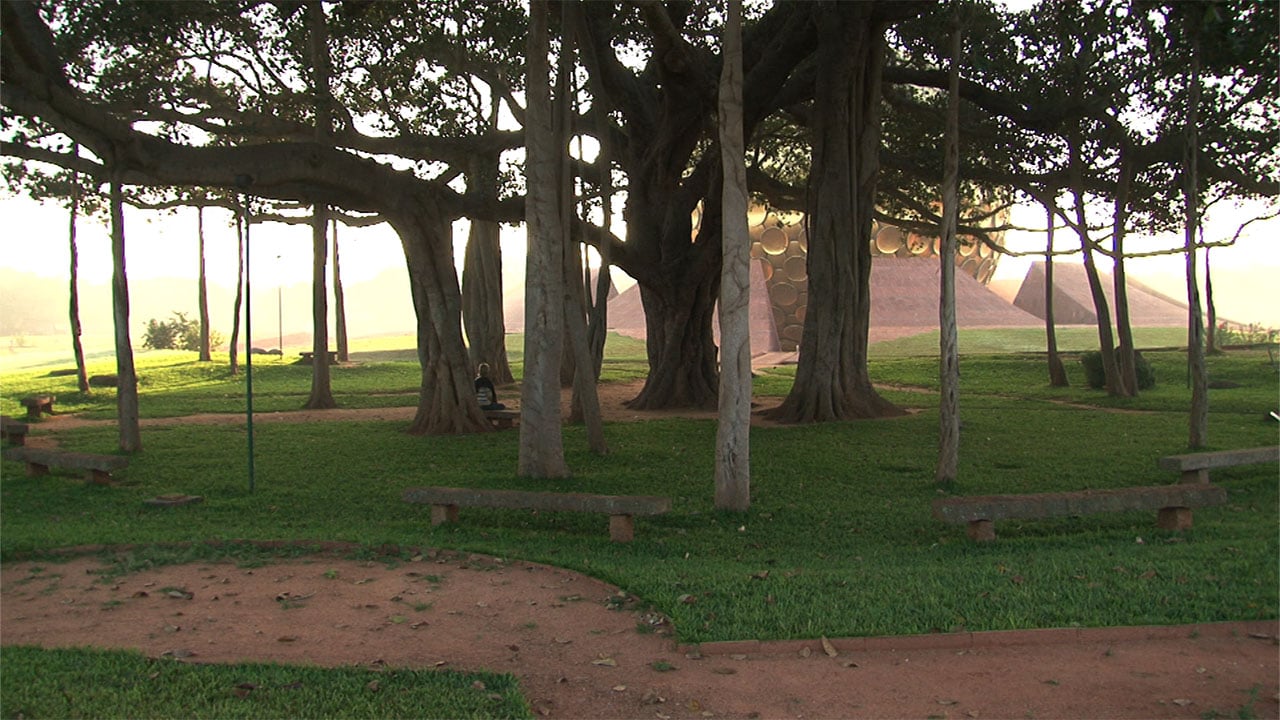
{"x":839,"y":540}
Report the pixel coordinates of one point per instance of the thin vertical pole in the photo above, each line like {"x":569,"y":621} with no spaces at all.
{"x":248,"y":334}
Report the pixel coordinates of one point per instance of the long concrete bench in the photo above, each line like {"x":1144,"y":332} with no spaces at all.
{"x":621,"y":509}
{"x":1195,"y":467}
{"x":97,"y":468}
{"x":15,"y":431}
{"x":1174,"y":503}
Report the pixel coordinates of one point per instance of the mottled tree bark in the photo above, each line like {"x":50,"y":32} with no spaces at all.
{"x":202,"y":292}
{"x":73,"y":289}
{"x":339,"y":300}
{"x":541,"y":443}
{"x":1057,"y":371}
{"x":733,"y":434}
{"x":1198,"y":432}
{"x":1126,"y":353}
{"x":1106,"y":340}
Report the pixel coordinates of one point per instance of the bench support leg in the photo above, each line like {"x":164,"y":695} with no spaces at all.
{"x":1174,"y":518}
{"x":36,"y":469}
{"x":982,"y":530}
{"x":1195,"y":476}
{"x":622,"y":528}
{"x":98,"y":477}
{"x":441,"y":514}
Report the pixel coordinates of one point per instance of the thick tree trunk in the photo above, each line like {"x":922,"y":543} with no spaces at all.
{"x":339,"y":301}
{"x":1126,"y":354}
{"x":733,"y":434}
{"x":832,"y":381}
{"x":321,"y":397}
{"x":1198,"y":432}
{"x":681,"y":349}
{"x":1057,"y":371}
{"x":202,"y":291}
{"x":948,"y":336}
{"x":541,"y":441}
{"x":73,"y":305}
{"x":447,"y":399}
{"x":482,"y":301}
{"x":126,"y":376}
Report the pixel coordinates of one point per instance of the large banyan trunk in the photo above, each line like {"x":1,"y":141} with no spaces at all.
{"x":482,"y":300}
{"x":832,"y":381}
{"x":127,"y":378}
{"x":446,"y":402}
{"x":679,"y":303}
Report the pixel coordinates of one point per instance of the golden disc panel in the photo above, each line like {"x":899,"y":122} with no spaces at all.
{"x":784,"y":294}
{"x":800,"y":312}
{"x":803,"y":239}
{"x":767,"y":270}
{"x":984,"y":250}
{"x":774,"y":241}
{"x":917,"y":244}
{"x":937,"y":246}
{"x":795,"y":268}
{"x":966,"y":246}
{"x":793,"y":333}
{"x":889,"y":240}
{"x":986,"y":270}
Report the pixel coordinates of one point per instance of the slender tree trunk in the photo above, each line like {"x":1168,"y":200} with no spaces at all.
{"x":73,"y":309}
{"x":1126,"y":357}
{"x":1211,"y":325}
{"x":1106,"y":340}
{"x":832,"y":380}
{"x":242,"y":220}
{"x":733,"y":434}
{"x":339,"y":301}
{"x":126,"y":376}
{"x":202,"y":292}
{"x":585,"y":402}
{"x":321,"y":390}
{"x":1198,"y":434}
{"x":949,"y":353}
{"x":1057,"y":371}
{"x":321,"y":397}
{"x":541,"y":442}
{"x":598,"y":327}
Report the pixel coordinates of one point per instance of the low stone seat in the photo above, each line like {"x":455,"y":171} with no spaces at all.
{"x":15,"y":431}
{"x":1174,"y":503}
{"x":97,"y":468}
{"x":1195,"y":466}
{"x":621,"y":509}
{"x":37,"y":404}
{"x":502,"y":419}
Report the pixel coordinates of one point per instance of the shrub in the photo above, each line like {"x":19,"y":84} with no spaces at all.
{"x":180,"y":333}
{"x":1097,"y":379}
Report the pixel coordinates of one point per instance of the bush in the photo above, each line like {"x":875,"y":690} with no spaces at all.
{"x":180,"y":333}
{"x":1097,"y":379}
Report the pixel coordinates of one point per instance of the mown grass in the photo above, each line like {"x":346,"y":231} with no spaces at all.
{"x":840,"y":519}
{"x":89,"y":683}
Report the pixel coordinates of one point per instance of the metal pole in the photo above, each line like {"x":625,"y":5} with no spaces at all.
{"x":248,"y":334}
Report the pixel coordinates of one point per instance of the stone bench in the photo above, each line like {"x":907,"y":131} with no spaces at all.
{"x":1174,"y":503}
{"x":1195,"y":466}
{"x":309,"y":356}
{"x":15,"y":431}
{"x":97,"y":468}
{"x":502,"y":419}
{"x":37,"y":404}
{"x":621,"y":509}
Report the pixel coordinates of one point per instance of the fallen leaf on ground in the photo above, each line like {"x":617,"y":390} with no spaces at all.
{"x":828,"y":648}
{"x":605,"y":662}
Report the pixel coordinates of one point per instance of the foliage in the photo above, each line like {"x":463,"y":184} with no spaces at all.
{"x":840,"y":514}
{"x":179,"y":333}
{"x":1251,"y":334}
{"x":1096,"y":376}
{"x":112,"y":683}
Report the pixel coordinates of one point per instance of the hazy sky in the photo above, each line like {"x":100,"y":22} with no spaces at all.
{"x":34,"y":240}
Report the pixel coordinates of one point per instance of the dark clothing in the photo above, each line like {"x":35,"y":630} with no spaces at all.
{"x":487,"y":395}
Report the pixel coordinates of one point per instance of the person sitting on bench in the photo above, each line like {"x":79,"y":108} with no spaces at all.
{"x":486,"y":394}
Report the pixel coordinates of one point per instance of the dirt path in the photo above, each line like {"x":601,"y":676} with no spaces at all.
{"x":577,"y":658}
